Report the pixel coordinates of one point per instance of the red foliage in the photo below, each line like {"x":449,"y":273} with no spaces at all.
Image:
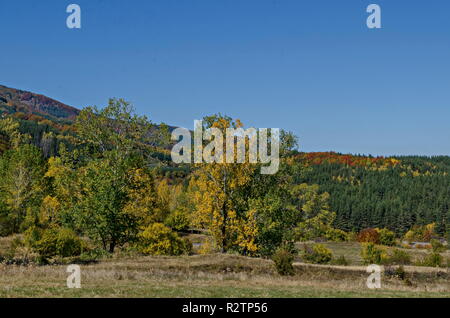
{"x":317,"y":158}
{"x":369,"y":235}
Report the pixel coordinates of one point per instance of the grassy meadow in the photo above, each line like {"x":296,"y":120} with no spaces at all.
{"x":219,"y":275}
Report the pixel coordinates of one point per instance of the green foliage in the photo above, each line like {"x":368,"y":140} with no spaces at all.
{"x":21,"y":185}
{"x":432,"y":260}
{"x":283,"y":259}
{"x":317,"y":254}
{"x":387,"y":237}
{"x":100,"y":212}
{"x":116,"y":141}
{"x":399,"y":257}
{"x":101,"y":185}
{"x":372,"y":254}
{"x":376,"y":192}
{"x":341,"y":260}
{"x":158,"y":239}
{"x":336,"y":235}
{"x":16,"y":243}
{"x":437,"y":246}
{"x":317,"y":218}
{"x":91,"y":256}
{"x":56,"y":242}
{"x":32,"y":235}
{"x":421,"y":233}
{"x":178,"y":220}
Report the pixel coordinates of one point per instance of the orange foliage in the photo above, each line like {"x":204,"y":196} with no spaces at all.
{"x":317,"y":158}
{"x":369,"y":235}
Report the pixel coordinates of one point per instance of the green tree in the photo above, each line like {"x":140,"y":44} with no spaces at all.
{"x":115,"y":147}
{"x":21,"y":175}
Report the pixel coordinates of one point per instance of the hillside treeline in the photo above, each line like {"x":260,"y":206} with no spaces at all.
{"x":396,"y":193}
{"x":103,"y":187}
{"x":108,"y":183}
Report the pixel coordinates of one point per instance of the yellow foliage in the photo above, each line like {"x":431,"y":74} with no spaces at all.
{"x":248,"y":231}
{"x":49,"y":210}
{"x":157,"y":239}
{"x":142,"y":201}
{"x":212,"y":190}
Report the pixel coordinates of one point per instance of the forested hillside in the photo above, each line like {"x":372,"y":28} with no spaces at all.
{"x":14,"y":100}
{"x":106,"y":174}
{"x":395,"y":193}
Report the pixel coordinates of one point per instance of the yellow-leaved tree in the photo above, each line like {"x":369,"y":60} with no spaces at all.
{"x":218,"y":189}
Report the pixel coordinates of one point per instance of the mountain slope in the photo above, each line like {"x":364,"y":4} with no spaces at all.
{"x":14,"y":101}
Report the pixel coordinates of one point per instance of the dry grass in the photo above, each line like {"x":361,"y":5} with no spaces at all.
{"x":352,"y":251}
{"x":214,"y":275}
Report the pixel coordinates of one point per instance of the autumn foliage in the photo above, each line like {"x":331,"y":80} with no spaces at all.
{"x":369,"y":235}
{"x":318,"y":158}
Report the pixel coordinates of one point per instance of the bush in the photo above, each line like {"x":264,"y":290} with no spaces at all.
{"x":157,"y":239}
{"x":32,"y":235}
{"x":387,"y":237}
{"x":372,"y":254}
{"x":318,"y":254}
{"x":15,"y":244}
{"x":283,"y":260}
{"x":399,"y":257}
{"x":6,"y":225}
{"x":341,"y":260}
{"x":398,"y":272}
{"x":336,"y":235}
{"x":369,"y":236}
{"x":58,"y":242}
{"x":420,"y":233}
{"x":437,"y":246}
{"x":91,"y":256}
{"x":352,"y":236}
{"x":178,"y":221}
{"x":432,"y":260}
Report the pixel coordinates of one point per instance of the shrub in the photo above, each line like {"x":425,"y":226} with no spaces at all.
{"x":399,"y":257}
{"x":398,"y":272}
{"x":58,"y":242}
{"x":341,"y":260}
{"x":6,"y":225}
{"x":420,"y":233}
{"x":283,"y":259}
{"x":372,"y":254}
{"x":387,"y":237}
{"x":352,"y":237}
{"x":208,"y":246}
{"x":318,"y":254}
{"x":68,"y":243}
{"x":432,"y":260}
{"x":369,"y":236}
{"x":178,"y":221}
{"x":437,"y":246}
{"x":32,"y":235}
{"x":336,"y":235}
{"x":157,"y":239}
{"x":15,"y":244}
{"x":91,"y":256}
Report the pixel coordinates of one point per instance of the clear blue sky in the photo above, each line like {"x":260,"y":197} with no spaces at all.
{"x":309,"y":66}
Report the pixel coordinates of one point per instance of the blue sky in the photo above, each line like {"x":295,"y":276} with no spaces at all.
{"x":309,"y":66}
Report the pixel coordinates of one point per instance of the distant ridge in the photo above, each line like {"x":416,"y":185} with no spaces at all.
{"x":15,"y":100}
